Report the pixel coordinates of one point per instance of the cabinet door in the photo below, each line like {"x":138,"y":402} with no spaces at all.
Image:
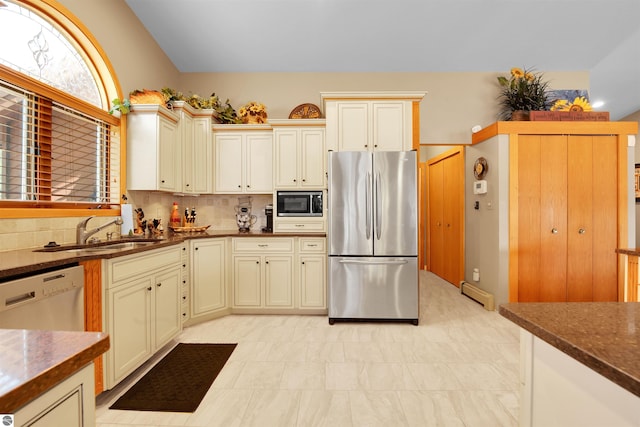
{"x":170,"y":167}
{"x":247,"y":281}
{"x":278,"y":281}
{"x":259,"y":163}
{"x":168,"y":320}
{"x":313,"y":281}
{"x":129,"y":327}
{"x":353,"y":126}
{"x":313,"y":158}
{"x":202,"y":157}
{"x":186,"y":134}
{"x":286,"y":158}
{"x":229,"y":163}
{"x":208,"y":276}
{"x":388,"y":124}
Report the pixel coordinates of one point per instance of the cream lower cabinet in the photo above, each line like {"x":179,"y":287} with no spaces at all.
{"x":70,"y":403}
{"x":312,"y":272}
{"x":558,"y":390}
{"x":263,"y":272}
{"x":143,"y":298}
{"x":208,"y":276}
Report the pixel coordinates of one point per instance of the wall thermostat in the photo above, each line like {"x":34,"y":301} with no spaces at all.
{"x":480,"y":187}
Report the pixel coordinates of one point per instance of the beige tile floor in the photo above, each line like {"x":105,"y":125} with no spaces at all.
{"x":459,"y":367}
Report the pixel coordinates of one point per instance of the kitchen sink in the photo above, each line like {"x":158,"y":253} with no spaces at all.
{"x":114,"y":246}
{"x":99,"y":247}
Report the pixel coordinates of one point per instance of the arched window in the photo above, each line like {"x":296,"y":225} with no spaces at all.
{"x":41,"y":51}
{"x":59,"y":148}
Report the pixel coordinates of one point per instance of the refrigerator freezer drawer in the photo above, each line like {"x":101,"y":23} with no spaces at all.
{"x":373,"y":288}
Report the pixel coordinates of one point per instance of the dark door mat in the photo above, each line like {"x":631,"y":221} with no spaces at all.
{"x":179,"y":381}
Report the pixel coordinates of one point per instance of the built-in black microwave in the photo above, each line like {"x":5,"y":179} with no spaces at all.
{"x":299,"y":203}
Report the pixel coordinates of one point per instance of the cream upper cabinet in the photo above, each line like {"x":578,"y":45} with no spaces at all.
{"x":197,"y":148}
{"x":153,"y":149}
{"x":378,"y":121}
{"x":243,"y":159}
{"x":299,"y":154}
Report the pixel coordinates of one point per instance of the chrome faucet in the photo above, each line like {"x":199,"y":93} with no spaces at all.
{"x":81,"y":229}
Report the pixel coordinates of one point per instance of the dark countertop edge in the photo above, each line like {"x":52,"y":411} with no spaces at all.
{"x":628,"y":251}
{"x":611,"y":372}
{"x":97,"y":344}
{"x":66,"y":258}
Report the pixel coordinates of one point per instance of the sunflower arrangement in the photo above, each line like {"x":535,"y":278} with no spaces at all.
{"x":522,"y":90}
{"x":580,"y":103}
{"x":253,"y":112}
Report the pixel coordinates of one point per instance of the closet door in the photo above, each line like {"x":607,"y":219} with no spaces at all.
{"x":453,"y":191}
{"x":446,"y":219}
{"x":542,"y":218}
{"x":436,"y":233}
{"x":592,"y":219}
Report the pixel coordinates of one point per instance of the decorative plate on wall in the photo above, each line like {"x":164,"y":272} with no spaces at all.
{"x":305,"y":111}
{"x":480,"y":168}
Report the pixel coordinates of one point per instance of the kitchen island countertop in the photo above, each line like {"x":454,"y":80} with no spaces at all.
{"x":604,"y":336}
{"x":33,"y":361}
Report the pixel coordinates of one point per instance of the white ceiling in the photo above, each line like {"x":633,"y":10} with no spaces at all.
{"x":599,"y":36}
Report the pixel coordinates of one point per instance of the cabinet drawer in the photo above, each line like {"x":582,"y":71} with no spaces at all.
{"x":316,"y":245}
{"x":263,"y":245}
{"x":310,"y":226}
{"x":130,"y":266}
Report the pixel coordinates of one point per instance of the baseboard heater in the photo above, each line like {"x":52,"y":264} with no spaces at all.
{"x":477,"y":294}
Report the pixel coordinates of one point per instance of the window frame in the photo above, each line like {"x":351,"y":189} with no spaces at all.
{"x":108,"y":87}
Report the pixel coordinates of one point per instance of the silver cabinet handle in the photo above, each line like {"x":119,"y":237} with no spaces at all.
{"x":554,"y":231}
{"x":582,"y":231}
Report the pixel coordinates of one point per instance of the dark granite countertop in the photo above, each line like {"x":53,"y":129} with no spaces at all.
{"x":33,"y":361}
{"x":604,"y":336}
{"x":25,"y":261}
{"x":628,"y":251}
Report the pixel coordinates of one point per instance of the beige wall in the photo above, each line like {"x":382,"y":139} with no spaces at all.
{"x":454,"y":103}
{"x":136,"y":58}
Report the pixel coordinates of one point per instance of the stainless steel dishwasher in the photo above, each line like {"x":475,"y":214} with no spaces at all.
{"x":51,"y":300}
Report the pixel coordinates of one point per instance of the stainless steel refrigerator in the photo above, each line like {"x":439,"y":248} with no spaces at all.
{"x":373,"y":236}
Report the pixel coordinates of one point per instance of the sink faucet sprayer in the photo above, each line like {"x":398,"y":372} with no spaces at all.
{"x":81,"y":229}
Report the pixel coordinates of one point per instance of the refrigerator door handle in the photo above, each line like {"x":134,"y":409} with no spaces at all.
{"x":374,"y":262}
{"x":368,"y":205}
{"x":378,"y":206}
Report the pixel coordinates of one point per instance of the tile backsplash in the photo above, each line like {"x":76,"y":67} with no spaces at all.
{"x":215,"y":210}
